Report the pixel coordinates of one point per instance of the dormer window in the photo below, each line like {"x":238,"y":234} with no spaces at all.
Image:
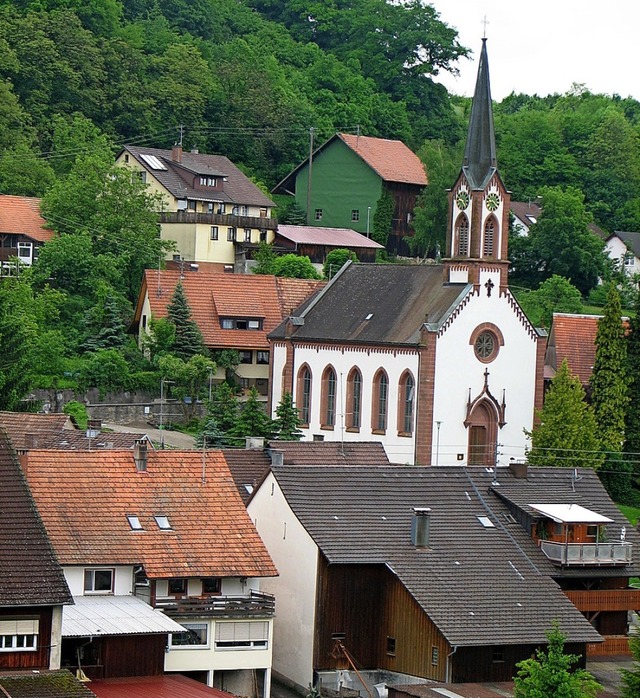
{"x":208,"y":181}
{"x":240,"y":323}
{"x":134,"y":522}
{"x":163,"y":523}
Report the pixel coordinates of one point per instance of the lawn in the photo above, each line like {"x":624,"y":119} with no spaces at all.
{"x":632,"y":513}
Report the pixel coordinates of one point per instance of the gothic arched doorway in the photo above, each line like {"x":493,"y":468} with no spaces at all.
{"x":483,"y":433}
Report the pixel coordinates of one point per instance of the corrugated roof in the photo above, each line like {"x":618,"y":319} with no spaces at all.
{"x":237,"y":188}
{"x":380,"y":303}
{"x":480,"y":586}
{"x":21,"y":215}
{"x":238,"y":295}
{"x":114,"y":615}
{"x":29,"y":569}
{"x":84,"y":499}
{"x":329,"y":237}
{"x":166,"y":686}
{"x":43,"y":683}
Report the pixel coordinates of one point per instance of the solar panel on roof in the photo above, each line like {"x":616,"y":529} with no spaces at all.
{"x":153,"y":162}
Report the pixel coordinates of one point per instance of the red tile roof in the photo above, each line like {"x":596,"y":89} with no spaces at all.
{"x":166,"y":686}
{"x":572,"y":337}
{"x":19,"y":424}
{"x":392,"y":160}
{"x":21,"y":215}
{"x":212,"y":296}
{"x":84,"y":498}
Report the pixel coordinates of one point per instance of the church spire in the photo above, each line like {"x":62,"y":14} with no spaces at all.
{"x":480,"y":162}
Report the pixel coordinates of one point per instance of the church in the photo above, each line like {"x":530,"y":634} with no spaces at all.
{"x":436,"y":361}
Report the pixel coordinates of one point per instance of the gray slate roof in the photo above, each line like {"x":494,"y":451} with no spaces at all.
{"x":331,"y":452}
{"x":29,"y":569}
{"x":400,"y":299}
{"x":479,"y":585}
{"x":632,"y":240}
{"x":238,"y":189}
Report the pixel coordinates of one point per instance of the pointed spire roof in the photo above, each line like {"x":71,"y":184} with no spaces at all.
{"x":480,"y":152}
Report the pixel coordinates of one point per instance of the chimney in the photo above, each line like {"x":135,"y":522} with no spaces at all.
{"x":254,"y":442}
{"x":31,"y":441}
{"x":140,"y":455}
{"x":518,"y":468}
{"x":194,"y":267}
{"x":176,"y":153}
{"x":94,"y":427}
{"x":277,"y":457}
{"x":195,"y":151}
{"x":420,"y":525}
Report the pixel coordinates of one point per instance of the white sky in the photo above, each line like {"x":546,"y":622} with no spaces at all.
{"x":543,"y":47}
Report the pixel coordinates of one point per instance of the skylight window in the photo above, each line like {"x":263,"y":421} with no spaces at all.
{"x":486,"y":521}
{"x":153,"y":162}
{"x":134,"y":522}
{"x":163,"y":523}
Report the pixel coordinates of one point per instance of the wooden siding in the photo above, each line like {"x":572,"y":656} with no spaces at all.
{"x":613,"y":645}
{"x":405,"y":197}
{"x":367,"y":605}
{"x":606,"y":600}
{"x":29,"y":660}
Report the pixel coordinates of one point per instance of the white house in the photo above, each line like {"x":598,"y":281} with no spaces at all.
{"x":624,"y":249}
{"x":438,"y":362}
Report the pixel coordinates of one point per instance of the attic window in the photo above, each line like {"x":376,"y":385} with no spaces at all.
{"x":369,"y":316}
{"x":163,"y":523}
{"x":134,"y":522}
{"x":486,"y":521}
{"x":208,"y":181}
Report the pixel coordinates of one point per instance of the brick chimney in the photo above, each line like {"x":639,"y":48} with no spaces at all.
{"x":140,"y":455}
{"x":176,"y":153}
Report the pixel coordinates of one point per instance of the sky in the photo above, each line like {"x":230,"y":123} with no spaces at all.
{"x":543,"y":47}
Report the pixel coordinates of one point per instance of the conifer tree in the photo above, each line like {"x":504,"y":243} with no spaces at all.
{"x":632,"y":414}
{"x":224,"y":406}
{"x":287,"y":422}
{"x":566,"y":433}
{"x":253,"y":420}
{"x":609,"y":393}
{"x":188,"y":340}
{"x":210,"y":436}
{"x":109,"y":330}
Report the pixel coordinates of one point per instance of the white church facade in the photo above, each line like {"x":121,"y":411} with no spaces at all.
{"x":438,"y":362}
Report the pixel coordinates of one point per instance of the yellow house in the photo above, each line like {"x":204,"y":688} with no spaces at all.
{"x":210,"y":209}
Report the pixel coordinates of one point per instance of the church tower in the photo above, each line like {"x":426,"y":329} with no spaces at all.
{"x":478,"y":224}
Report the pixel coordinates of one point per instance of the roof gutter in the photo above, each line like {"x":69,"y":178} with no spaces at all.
{"x":447,"y":676}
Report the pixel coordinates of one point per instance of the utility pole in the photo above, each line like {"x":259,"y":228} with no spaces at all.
{"x":310,"y":179}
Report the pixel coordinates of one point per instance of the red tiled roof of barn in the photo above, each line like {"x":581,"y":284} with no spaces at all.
{"x":21,"y":215}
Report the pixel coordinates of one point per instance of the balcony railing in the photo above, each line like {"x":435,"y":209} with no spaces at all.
{"x":256,"y":604}
{"x":605,"y":599}
{"x":587,"y":554}
{"x":222,"y":219}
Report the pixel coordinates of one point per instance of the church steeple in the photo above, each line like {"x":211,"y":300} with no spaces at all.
{"x":480,"y":162}
{"x":477,"y":236}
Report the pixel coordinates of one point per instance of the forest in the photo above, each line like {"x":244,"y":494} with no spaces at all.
{"x":249,"y":79}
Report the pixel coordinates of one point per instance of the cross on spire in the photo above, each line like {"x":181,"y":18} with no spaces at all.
{"x":485,"y":21}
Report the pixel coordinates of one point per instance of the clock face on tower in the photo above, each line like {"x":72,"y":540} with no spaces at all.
{"x":493,"y":201}
{"x":462,"y":200}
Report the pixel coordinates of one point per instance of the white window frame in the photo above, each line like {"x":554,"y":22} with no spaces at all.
{"x":15,"y":633}
{"x":237,"y":635}
{"x":194,"y":646}
{"x":91,"y":571}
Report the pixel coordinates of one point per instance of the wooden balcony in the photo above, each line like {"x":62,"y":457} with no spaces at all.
{"x":254,"y":605}
{"x":587,"y":554}
{"x":605,"y":599}
{"x":613,"y":645}
{"x":220,"y":219}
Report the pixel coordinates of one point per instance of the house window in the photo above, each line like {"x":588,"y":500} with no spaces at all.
{"x":354,"y":399}
{"x":262,"y":357}
{"x":462,"y":235}
{"x":142,"y":175}
{"x":304,"y":394}
{"x":98,"y":580}
{"x":195,"y":635}
{"x":405,"y":407}
{"x":236,"y":635}
{"x":244,"y":211}
{"x":498,"y":654}
{"x":126,"y":157}
{"x":191,"y":205}
{"x":220,"y":210}
{"x":263,"y":213}
{"x":329,"y":398}
{"x":263,"y":236}
{"x":234,"y":211}
{"x":629,"y":259}
{"x":134,"y":522}
{"x":178,"y":586}
{"x":240,"y":324}
{"x":19,"y":634}
{"x":208,"y":181}
{"x":380,"y":402}
{"x":214,"y":232}
{"x":246,"y":357}
{"x":391,"y":646}
{"x":163,"y":522}
{"x":434,"y":655}
{"x":227,"y":323}
{"x":231,"y":234}
{"x":254,"y":325}
{"x":247,"y":234}
{"x":489,"y":235}
{"x":211,"y":585}
{"x":318,"y":214}
{"x":355,"y":214}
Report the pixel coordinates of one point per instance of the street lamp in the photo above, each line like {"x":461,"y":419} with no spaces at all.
{"x":162,"y":382}
{"x":438,"y":443}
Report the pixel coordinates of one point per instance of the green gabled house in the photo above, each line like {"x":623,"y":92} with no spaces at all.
{"x":351,"y":177}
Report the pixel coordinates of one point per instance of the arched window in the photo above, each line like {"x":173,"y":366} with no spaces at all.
{"x":462,"y":236}
{"x":490,"y":228}
{"x":304,"y":394}
{"x":354,"y":399}
{"x":329,"y":384}
{"x":406,"y":397}
{"x":380,"y":402}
